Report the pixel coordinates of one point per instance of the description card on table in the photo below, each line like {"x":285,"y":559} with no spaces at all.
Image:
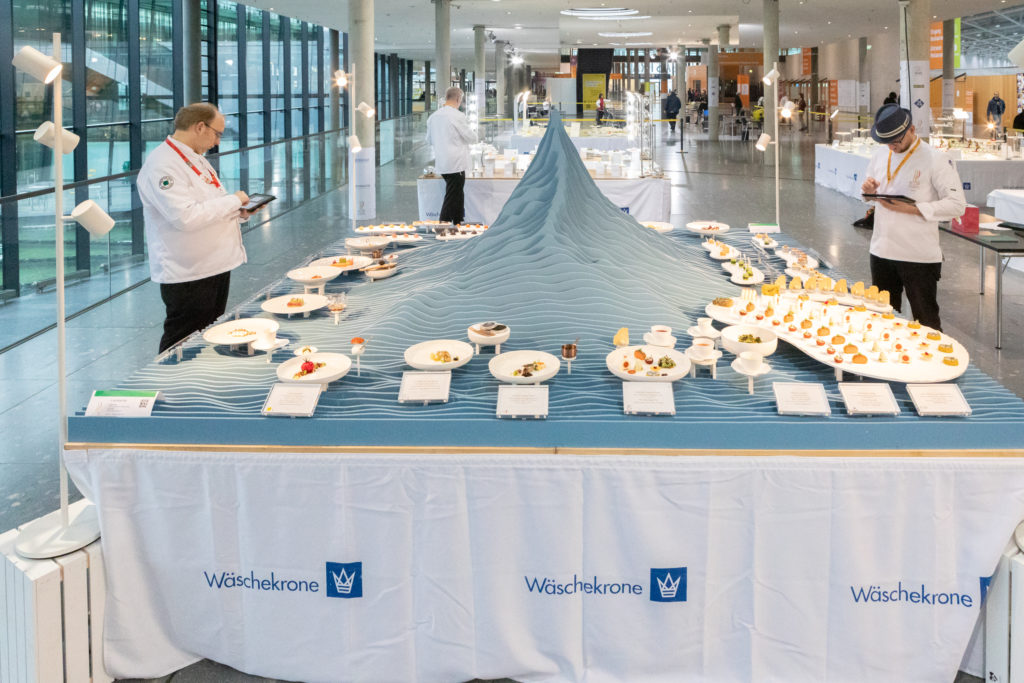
{"x":648,"y":398}
{"x":801,"y":398}
{"x":868,"y":398}
{"x":522,"y":401}
{"x":763,"y":227}
{"x":290,"y":399}
{"x":121,"y":403}
{"x":419,"y":386}
{"x":938,"y":400}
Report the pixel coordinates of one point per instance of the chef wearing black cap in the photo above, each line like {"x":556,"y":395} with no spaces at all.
{"x":905,"y":253}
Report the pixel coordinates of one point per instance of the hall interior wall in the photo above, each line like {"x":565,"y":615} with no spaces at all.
{"x":840,"y":61}
{"x":982,"y":88}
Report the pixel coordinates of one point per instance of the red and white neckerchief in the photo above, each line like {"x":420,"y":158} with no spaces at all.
{"x":211,"y":180}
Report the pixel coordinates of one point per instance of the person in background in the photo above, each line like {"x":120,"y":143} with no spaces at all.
{"x":601,"y":110}
{"x":672,"y":107}
{"x":905,"y":252}
{"x":448,"y":132}
{"x":891,"y":98}
{"x":801,"y":106}
{"x":994,"y":113}
{"x":192,"y":224}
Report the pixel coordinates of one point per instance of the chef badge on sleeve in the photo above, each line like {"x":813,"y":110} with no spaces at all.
{"x":166,"y":183}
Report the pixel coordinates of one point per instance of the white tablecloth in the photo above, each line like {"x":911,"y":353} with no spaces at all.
{"x":605,"y":143}
{"x":1008,"y":205}
{"x":446,"y":567}
{"x":646,"y":199}
{"x":845,"y":172}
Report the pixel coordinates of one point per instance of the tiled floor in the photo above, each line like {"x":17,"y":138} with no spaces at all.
{"x":727,"y":180}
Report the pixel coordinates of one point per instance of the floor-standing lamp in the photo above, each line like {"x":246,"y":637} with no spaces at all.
{"x":771,"y":79}
{"x":348,"y":80}
{"x":51,"y":536}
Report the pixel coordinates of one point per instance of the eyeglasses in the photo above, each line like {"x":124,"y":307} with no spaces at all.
{"x":899,"y":139}
{"x":216,"y":132}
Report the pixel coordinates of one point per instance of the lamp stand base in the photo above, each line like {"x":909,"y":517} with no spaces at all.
{"x":46,"y":537}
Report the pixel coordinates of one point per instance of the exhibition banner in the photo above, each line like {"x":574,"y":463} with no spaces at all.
{"x":362,"y":195}
{"x":593,"y":86}
{"x":402,"y":567}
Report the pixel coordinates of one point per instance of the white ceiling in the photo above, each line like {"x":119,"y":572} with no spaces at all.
{"x":538,"y":31}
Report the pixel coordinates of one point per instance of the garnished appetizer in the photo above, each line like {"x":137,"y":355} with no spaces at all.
{"x":951,"y":360}
{"x":296,"y":301}
{"x":358,"y":346}
{"x":621,"y":337}
{"x":308,"y":367}
{"x":342,"y":261}
{"x":528,"y":369}
{"x":239,"y":332}
{"x":442,"y":356}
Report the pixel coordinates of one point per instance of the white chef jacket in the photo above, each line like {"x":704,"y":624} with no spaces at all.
{"x":930,"y":178}
{"x":192,"y":226}
{"x":448,"y":132}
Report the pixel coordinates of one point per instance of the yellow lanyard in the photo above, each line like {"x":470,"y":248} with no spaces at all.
{"x":888,"y":164}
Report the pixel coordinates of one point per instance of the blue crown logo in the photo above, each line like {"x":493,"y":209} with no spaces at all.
{"x":344,"y":579}
{"x":668,"y":584}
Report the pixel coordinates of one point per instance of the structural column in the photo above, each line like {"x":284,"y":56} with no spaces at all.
{"x":948,"y":66}
{"x":192,"y":49}
{"x":680,"y":79}
{"x":361,"y":63}
{"x":813,"y":104}
{"x":443,"y":50}
{"x":334,"y":41}
{"x":426,"y":86}
{"x":915,"y":67}
{"x":712,"y":90}
{"x":863,"y":79}
{"x":771,"y":55}
{"x":479,"y":64}
{"x":501,"y":84}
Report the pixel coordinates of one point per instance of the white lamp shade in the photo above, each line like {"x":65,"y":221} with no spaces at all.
{"x":33,"y":62}
{"x":835,"y":113}
{"x":763,"y":142}
{"x":1017,"y":55}
{"x":366,"y":110}
{"x":353,"y":143}
{"x":341,"y":78}
{"x":44,"y":136}
{"x":94,"y":219}
{"x":770,"y":77}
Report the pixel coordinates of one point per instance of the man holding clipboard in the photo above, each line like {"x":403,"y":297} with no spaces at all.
{"x":913,"y":187}
{"x":192,"y":223}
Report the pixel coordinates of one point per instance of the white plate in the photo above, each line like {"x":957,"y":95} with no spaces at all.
{"x":367,"y":243}
{"x":763,"y":370}
{"x":400,"y":238}
{"x":357,"y":262}
{"x":499,"y":337}
{"x":337,"y":366}
{"x":715,"y":355}
{"x":671,"y":341}
{"x":381,"y":273}
{"x":790,"y":258}
{"x":769,"y":244}
{"x":384,"y":228}
{"x":301,"y":350}
{"x":222,"y":333}
{"x":710,"y":334}
{"x":503,"y":365}
{"x":418,"y":355}
{"x":755,"y":279}
{"x":659,"y":226}
{"x":313,"y":276}
{"x":707,"y":227}
{"x":279,"y":304}
{"x":717,"y":254}
{"x":615,"y":359}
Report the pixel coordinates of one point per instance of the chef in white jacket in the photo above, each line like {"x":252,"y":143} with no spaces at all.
{"x":192,"y":223}
{"x":905,"y":253}
{"x":448,"y":132}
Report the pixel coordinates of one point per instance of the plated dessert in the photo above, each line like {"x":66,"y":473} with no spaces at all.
{"x":647,"y":363}
{"x":439,"y":354}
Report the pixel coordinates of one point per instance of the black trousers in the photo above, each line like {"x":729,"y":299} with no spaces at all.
{"x":672,"y":123}
{"x":192,"y":306}
{"x":453,"y":208}
{"x":920,"y":281}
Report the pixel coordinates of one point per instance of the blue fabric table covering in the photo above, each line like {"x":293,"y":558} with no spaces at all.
{"x":560,"y":262}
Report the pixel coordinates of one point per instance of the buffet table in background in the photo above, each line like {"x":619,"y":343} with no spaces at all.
{"x":645,"y":199}
{"x":605,"y":143}
{"x":403,"y":541}
{"x":844,"y":170}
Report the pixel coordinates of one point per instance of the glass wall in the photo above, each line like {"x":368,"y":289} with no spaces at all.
{"x":122,"y":82}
